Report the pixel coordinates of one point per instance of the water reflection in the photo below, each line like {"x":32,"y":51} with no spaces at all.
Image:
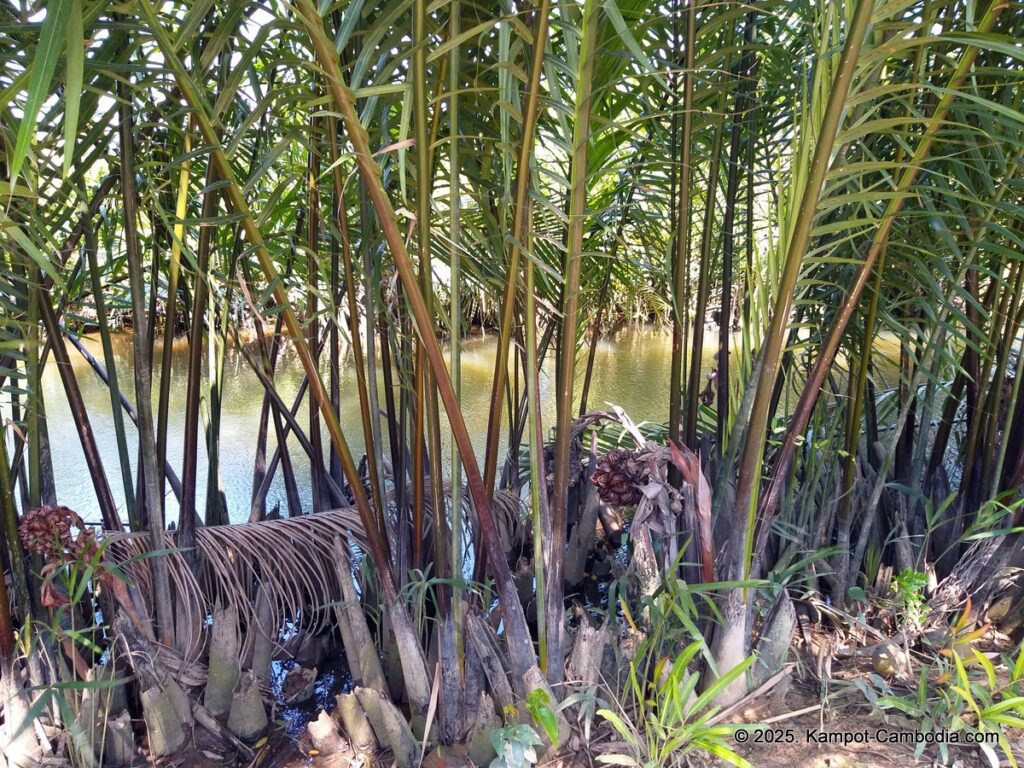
{"x":631,"y":370}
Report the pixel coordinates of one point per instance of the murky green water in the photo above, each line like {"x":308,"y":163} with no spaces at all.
{"x":630,"y":370}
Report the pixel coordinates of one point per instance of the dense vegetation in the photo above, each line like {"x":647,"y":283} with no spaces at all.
{"x":786,"y":182}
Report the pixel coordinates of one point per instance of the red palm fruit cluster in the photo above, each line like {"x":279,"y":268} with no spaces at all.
{"x":47,"y":530}
{"x":84,"y":546}
{"x":617,"y":475}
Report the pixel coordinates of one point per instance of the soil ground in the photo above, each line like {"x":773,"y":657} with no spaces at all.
{"x":805,"y":724}
{"x":795,"y":741}
{"x":803,"y":732}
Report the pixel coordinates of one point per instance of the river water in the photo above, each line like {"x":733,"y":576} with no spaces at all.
{"x":631,"y":370}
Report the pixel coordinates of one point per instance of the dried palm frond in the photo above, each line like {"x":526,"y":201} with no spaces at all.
{"x":508,"y":516}
{"x":291,"y":559}
{"x":506,"y":506}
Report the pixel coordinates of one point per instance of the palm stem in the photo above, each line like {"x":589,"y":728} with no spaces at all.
{"x":520,"y":644}
{"x":143,"y":386}
{"x":875,"y":249}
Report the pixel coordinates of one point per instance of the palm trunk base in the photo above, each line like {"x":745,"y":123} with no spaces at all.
{"x":17,"y":744}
